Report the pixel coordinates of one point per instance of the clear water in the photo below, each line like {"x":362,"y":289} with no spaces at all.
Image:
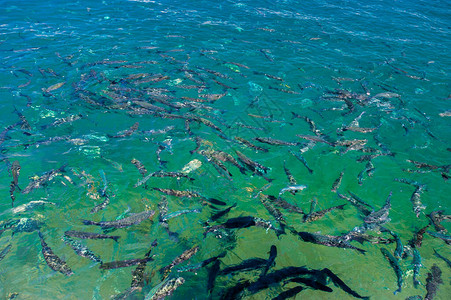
{"x":307,"y":48}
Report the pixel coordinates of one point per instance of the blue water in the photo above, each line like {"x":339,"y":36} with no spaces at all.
{"x":81,"y":73}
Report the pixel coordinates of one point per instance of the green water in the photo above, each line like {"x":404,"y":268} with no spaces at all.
{"x":267,"y":60}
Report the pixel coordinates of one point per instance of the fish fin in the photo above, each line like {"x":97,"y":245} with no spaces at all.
{"x":115,"y":238}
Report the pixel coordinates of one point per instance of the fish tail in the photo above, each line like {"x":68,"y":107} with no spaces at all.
{"x":115,"y":238}
{"x":361,"y":251}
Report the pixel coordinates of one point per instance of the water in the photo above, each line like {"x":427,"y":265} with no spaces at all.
{"x":266,"y":59}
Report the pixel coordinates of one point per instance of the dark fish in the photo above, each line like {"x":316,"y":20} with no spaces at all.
{"x":396,"y":267}
{"x":302,"y":159}
{"x":249,"y":144}
{"x":272,"y":141}
{"x":245,"y":265}
{"x":448,"y":262}
{"x":212,"y":274}
{"x":289,"y":293}
{"x":271,"y":260}
{"x":187,"y":254}
{"x":90,"y":235}
{"x":362,"y":237}
{"x":125,"y":222}
{"x":5,"y":251}
{"x":433,"y":281}
{"x":311,"y":283}
{"x":242,"y":222}
{"x":277,"y":276}
{"x":220,"y":213}
{"x":235,"y":291}
{"x":80,"y":249}
{"x":124,"y":263}
{"x":416,"y":266}
{"x":326,"y":240}
{"x":52,"y":260}
{"x":338,"y":282}
{"x":337,"y":182}
{"x":138,"y":273}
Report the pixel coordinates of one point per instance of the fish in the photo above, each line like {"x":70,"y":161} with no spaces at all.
{"x":313,"y":216}
{"x":187,"y":254}
{"x":437,"y":217}
{"x":380,"y":216}
{"x":249,"y":144}
{"x":52,"y":260}
{"x":271,"y":260}
{"x":42,"y":180}
{"x":252,"y":165}
{"x":272,"y":141}
{"x":245,"y":265}
{"x":125,"y":133}
{"x":165,"y":289}
{"x":369,"y":168}
{"x":289,"y":293}
{"x":443,"y":237}
{"x":416,"y":202}
{"x":311,"y":283}
{"x":273,"y":211}
{"x":5,"y":251}
{"x":242,"y":222}
{"x":418,"y":237}
{"x":363,"y":207}
{"x":30,"y":205}
{"x":315,"y":139}
{"x":235,"y":291}
{"x":90,"y":235}
{"x":212,"y":274}
{"x":163,"y":174}
{"x":448,"y":262}
{"x":396,"y":267}
{"x":53,"y":87}
{"x":433,"y":281}
{"x":133,"y":219}
{"x":302,"y":159}
{"x":338,"y":282}
{"x":80,"y":249}
{"x":416,"y":266}
{"x":337,"y":182}
{"x":290,"y":177}
{"x":178,"y":193}
{"x":221,"y":213}
{"x":15,"y":170}
{"x":142,"y":170}
{"x":101,"y":206}
{"x":167,"y":217}
{"x":285,"y":205}
{"x":293,"y":188}
{"x":202,"y":263}
{"x":326,"y":240}
{"x":124,"y":263}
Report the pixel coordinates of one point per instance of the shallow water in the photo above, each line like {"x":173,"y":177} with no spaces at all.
{"x":92,"y":61}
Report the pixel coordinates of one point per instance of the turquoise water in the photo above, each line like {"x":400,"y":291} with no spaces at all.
{"x":102,"y":63}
